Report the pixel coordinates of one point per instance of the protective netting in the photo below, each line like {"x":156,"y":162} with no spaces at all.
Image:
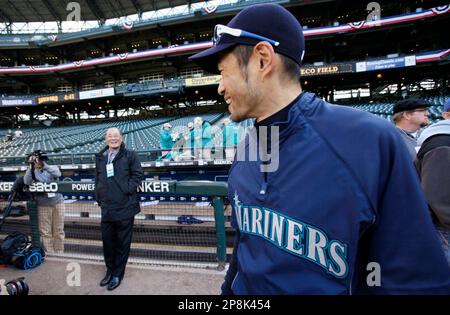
{"x":177,"y":230}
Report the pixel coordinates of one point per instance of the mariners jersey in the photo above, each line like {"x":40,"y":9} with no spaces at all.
{"x":344,"y":195}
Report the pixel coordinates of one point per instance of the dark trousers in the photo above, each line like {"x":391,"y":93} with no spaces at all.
{"x":116,"y":237}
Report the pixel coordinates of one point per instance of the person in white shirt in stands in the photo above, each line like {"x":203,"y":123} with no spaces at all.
{"x":18,"y":133}
{"x":202,"y":139}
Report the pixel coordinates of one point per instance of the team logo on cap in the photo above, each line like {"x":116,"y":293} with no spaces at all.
{"x":441,"y":9}
{"x":357,"y":25}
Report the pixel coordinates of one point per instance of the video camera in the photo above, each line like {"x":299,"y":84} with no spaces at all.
{"x":37,"y":155}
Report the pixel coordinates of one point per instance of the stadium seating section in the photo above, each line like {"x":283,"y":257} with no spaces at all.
{"x":384,"y":110}
{"x":142,"y":135}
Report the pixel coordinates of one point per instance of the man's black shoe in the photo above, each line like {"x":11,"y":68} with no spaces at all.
{"x":113,"y":283}
{"x":106,"y":279}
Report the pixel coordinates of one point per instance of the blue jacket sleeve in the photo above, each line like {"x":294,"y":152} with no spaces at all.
{"x":403,"y":240}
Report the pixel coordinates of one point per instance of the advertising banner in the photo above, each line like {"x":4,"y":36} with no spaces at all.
{"x":208,"y":80}
{"x":383,"y":64}
{"x":96,"y":93}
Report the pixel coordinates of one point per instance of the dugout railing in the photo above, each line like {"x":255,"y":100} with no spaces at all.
{"x":145,"y":156}
{"x":181,"y":223}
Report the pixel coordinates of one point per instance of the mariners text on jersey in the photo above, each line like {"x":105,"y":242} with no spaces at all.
{"x":293,"y":236}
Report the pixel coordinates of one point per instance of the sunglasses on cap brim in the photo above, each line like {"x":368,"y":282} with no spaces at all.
{"x":220,"y":29}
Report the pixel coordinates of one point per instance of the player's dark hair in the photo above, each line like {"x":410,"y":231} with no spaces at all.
{"x":243,"y":53}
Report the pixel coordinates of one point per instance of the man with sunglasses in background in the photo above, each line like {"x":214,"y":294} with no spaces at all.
{"x":343,"y":195}
{"x":409,"y":116}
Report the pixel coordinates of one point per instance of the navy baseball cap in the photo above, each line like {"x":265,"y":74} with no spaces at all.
{"x":269,"y":22}
{"x":447,"y":106}
{"x":410,"y":104}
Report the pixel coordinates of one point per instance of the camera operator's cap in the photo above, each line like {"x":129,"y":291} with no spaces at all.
{"x":261,"y":22}
{"x":42,"y":155}
{"x":410,"y":104}
{"x":447,"y":106}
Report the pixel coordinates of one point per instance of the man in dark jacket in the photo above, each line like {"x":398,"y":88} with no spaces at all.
{"x":118,"y":174}
{"x":345,"y":198}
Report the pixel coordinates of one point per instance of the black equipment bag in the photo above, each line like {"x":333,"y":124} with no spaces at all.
{"x":13,"y":243}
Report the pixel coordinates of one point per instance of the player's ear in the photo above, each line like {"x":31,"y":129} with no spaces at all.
{"x":265,"y":55}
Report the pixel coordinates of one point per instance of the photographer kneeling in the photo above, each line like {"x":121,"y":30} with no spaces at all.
{"x":50,"y":205}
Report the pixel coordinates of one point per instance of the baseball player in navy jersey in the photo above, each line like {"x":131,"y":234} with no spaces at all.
{"x":343,"y":195}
